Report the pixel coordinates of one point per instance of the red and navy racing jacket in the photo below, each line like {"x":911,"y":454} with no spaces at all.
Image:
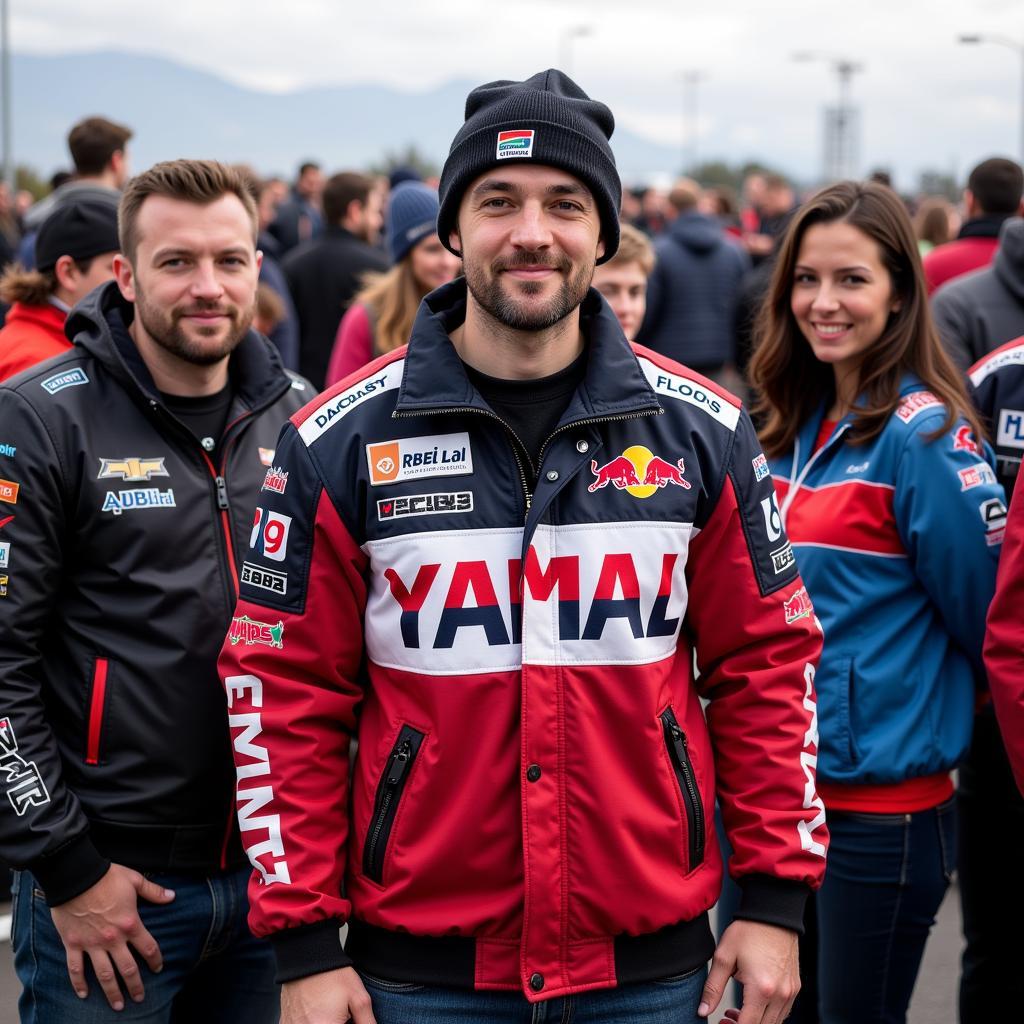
{"x":531,"y":803}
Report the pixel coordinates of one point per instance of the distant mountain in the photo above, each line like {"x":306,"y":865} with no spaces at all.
{"x":178,"y":111}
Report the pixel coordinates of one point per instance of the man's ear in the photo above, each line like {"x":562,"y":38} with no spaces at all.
{"x":600,"y":248}
{"x":124,"y":275}
{"x":65,"y":271}
{"x":455,"y":240}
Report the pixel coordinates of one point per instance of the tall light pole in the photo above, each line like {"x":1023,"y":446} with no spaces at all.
{"x":1013,"y":45}
{"x":840,"y":123}
{"x":565,"y":41}
{"x":5,"y":93}
{"x":690,"y":79}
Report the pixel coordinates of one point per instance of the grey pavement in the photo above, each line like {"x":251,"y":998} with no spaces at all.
{"x":934,"y":999}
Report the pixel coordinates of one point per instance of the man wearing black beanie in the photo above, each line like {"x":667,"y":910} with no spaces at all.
{"x":502,"y":551}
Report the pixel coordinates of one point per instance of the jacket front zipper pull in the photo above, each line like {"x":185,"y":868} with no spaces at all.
{"x":399,"y":764}
{"x":222,"y":492}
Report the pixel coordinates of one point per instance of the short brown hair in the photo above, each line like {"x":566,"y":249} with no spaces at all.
{"x":340,"y":190}
{"x":94,"y":141}
{"x":634,"y":247}
{"x":194,"y":181}
{"x":685,"y":195}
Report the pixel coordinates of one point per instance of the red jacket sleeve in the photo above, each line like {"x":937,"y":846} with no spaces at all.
{"x":291,"y":667}
{"x":353,"y":344}
{"x":1004,"y":638}
{"x":758,"y":643}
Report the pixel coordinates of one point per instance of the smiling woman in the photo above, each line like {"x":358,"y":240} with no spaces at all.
{"x":886,"y":489}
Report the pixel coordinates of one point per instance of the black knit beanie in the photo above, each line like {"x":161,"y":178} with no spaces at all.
{"x":81,"y":229}
{"x":548,"y":119}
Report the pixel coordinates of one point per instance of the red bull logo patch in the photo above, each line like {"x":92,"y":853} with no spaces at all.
{"x":798,"y":606}
{"x":518,"y":142}
{"x":639,"y":471}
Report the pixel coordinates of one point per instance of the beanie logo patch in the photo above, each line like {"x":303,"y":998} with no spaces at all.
{"x":518,"y":142}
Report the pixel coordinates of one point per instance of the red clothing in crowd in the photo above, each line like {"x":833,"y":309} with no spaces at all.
{"x":353,"y":344}
{"x":30,"y":335}
{"x":951,"y":260}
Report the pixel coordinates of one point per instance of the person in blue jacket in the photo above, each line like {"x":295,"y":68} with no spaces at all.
{"x":887,"y":491}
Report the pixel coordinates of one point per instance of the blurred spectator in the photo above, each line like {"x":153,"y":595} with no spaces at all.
{"x":285,"y":333}
{"x":402,"y":173}
{"x":269,"y":310}
{"x":629,"y":212}
{"x":992,"y":195}
{"x":300,"y":217}
{"x":653,"y":214}
{"x":381,"y":315}
{"x":76,"y":246}
{"x":776,"y":205}
{"x":8,"y":226}
{"x":623,"y":279}
{"x":880,"y":176}
{"x":99,"y":151}
{"x":977,"y":312}
{"x":721,"y":203}
{"x":753,"y":197}
{"x":933,"y":223}
{"x":691,"y":294}
{"x":325,"y":273}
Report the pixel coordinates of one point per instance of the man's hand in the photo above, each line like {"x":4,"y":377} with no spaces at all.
{"x":764,"y":960}
{"x":332,"y":997}
{"x":100,"y":923}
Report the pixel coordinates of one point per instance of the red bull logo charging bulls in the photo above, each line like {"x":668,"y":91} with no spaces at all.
{"x":639,"y":471}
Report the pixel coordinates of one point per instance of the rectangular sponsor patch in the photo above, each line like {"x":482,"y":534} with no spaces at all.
{"x":409,"y":458}
{"x":782,"y":558}
{"x":424,"y":505}
{"x":798,"y":606}
{"x":250,"y":631}
{"x":267,"y":455}
{"x":760,"y":464}
{"x":975,"y":476}
{"x":60,"y":381}
{"x":269,"y":536}
{"x":265,"y":579}
{"x":5,"y":554}
{"x":3,"y":586}
{"x":334,"y":408}
{"x":275,"y":480}
{"x":1011,"y":429}
{"x":682,"y":389}
{"x":916,"y":403}
{"x":515,"y":143}
{"x":9,"y":491}
{"x":138,"y":497}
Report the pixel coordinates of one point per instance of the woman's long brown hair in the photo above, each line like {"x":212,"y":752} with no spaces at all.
{"x":789,"y":380}
{"x":394,"y":296}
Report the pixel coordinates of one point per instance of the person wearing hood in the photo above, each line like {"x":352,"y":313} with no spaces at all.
{"x":131,"y":465}
{"x":691,"y":295}
{"x":984,"y":309}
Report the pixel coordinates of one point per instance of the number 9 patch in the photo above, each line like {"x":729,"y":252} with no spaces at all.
{"x":270,"y":534}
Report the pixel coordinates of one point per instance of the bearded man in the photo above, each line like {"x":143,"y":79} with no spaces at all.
{"x":130,"y":466}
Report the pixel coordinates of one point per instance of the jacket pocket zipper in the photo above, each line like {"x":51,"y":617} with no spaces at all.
{"x":97,"y":703}
{"x":385,"y":805}
{"x":679,"y":754}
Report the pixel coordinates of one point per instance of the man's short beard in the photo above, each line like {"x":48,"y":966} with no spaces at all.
{"x":492,"y":297}
{"x":165,"y":330}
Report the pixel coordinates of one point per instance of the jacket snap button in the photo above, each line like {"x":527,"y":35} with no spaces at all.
{"x":552,"y":475}
{"x":582,"y":446}
{"x":536,"y":982}
{"x":533,"y":773}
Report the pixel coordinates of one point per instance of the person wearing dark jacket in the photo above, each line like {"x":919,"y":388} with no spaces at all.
{"x":324,"y":274}
{"x":982,"y":310}
{"x":131,"y":466}
{"x":691,"y":295}
{"x":993,"y":193}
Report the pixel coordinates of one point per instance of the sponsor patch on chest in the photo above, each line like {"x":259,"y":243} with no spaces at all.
{"x":411,"y":458}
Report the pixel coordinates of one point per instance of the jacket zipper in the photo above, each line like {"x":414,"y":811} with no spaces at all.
{"x":385,"y":805}
{"x":802,"y":475}
{"x":679,"y":753}
{"x":97,"y":703}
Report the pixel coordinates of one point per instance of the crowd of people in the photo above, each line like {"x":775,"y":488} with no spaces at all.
{"x":644,"y":652}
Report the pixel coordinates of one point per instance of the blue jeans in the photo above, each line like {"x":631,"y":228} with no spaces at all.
{"x":670,"y":1001}
{"x":885,"y":878}
{"x":214,"y":970}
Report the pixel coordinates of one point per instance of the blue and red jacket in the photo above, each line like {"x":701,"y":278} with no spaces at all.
{"x":530,"y":805}
{"x":897,"y":541}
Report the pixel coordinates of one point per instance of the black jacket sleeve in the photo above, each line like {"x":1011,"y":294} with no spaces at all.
{"x":42,"y":826}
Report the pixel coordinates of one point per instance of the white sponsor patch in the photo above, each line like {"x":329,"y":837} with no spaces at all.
{"x":409,"y":458}
{"x":424,"y":505}
{"x":1008,"y":358}
{"x":682,"y":389}
{"x":265,"y":579}
{"x":269,"y":536}
{"x":585,"y":601}
{"x":517,"y":142}
{"x":5,"y":553}
{"x":760,"y":464}
{"x":60,"y":381}
{"x":1011,"y":428}
{"x":332,"y":409}
{"x":916,"y":403}
{"x":975,"y":476}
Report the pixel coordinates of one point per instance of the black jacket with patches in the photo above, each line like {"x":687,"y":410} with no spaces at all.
{"x":118,"y":576}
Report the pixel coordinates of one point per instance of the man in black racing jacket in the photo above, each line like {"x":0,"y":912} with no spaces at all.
{"x":129,"y":470}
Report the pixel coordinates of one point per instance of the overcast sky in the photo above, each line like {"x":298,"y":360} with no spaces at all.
{"x":925,"y":101}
